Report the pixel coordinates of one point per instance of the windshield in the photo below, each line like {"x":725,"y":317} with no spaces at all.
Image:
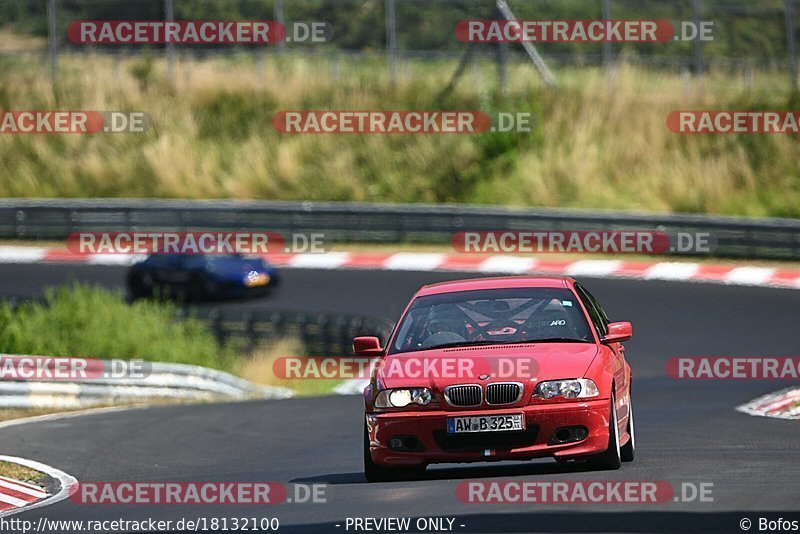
{"x":493,"y":316}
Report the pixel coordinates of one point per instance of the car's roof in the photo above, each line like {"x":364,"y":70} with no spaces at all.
{"x":504,"y":282}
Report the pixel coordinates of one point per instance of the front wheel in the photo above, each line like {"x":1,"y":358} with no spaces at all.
{"x":200,"y":287}
{"x":375,"y":473}
{"x":611,"y":458}
{"x":372,"y":471}
{"x":628,"y":451}
{"x":141,"y":285}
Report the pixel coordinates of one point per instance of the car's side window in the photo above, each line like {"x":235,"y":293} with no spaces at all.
{"x":600,"y":310}
{"x":160,"y":260}
{"x":193,"y":261}
{"x":598,"y":316}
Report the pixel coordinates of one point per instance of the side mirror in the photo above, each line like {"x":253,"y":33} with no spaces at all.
{"x":367,"y":346}
{"x":618,"y":332}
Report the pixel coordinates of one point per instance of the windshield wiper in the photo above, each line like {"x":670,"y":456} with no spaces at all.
{"x":460,"y":344}
{"x":555,"y":340}
{"x":522,"y":342}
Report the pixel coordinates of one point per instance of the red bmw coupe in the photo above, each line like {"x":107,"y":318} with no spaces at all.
{"x":489,"y":369}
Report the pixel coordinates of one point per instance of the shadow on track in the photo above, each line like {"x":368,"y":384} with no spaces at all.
{"x":457,"y":473}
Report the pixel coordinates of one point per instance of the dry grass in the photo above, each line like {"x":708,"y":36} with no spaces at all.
{"x":19,"y":472}
{"x":599,"y":141}
{"x":258,"y":368}
{"x":10,"y":41}
{"x":15,"y":413}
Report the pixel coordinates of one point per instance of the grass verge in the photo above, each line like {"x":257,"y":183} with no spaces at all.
{"x":258,"y":368}
{"x":91,"y":322}
{"x":21,"y":473}
{"x":78,"y":320}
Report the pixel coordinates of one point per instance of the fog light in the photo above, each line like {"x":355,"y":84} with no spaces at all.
{"x":395,"y":443}
{"x":568,"y":434}
{"x":563,"y":435}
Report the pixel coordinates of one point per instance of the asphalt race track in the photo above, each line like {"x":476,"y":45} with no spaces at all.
{"x":687,"y":431}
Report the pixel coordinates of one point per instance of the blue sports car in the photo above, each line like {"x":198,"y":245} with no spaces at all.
{"x":198,"y":276}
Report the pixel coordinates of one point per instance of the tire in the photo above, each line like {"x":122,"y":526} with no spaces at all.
{"x":610,"y":459}
{"x":200,"y":288}
{"x":372,"y":471}
{"x":193,"y":290}
{"x":375,"y":473}
{"x":628,"y":451}
{"x":141,"y":285}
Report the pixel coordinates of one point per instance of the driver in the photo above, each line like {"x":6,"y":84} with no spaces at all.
{"x":447,"y":318}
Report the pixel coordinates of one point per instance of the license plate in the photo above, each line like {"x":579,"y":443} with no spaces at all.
{"x":256,"y":281}
{"x":485,"y":423}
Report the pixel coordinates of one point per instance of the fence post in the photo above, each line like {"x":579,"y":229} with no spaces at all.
{"x":698,"y":51}
{"x":169,"y":16}
{"x":280,"y":19}
{"x":391,"y":39}
{"x":790,"y":43}
{"x":52,"y":39}
{"x":502,"y":65}
{"x":605,"y":10}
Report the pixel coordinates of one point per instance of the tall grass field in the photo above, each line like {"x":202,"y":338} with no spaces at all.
{"x":599,"y":140}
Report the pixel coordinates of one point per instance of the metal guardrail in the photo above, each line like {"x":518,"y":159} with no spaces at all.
{"x":163,"y":381}
{"x":378,"y":223}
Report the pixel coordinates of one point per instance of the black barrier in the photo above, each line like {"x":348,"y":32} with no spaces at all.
{"x":322,"y":334}
{"x":55,"y":219}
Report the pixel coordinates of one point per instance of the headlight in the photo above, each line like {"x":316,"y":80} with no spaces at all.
{"x":399,"y":398}
{"x":570,"y":389}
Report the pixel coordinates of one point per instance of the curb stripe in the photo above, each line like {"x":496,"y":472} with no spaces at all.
{"x":67,"y":484}
{"x":405,"y":261}
{"x":672,"y":271}
{"x":14,"y":501}
{"x":16,"y":494}
{"x":749,"y":275}
{"x":479,"y":263}
{"x":19,"y":483}
{"x":15,"y":487}
{"x":776,"y":405}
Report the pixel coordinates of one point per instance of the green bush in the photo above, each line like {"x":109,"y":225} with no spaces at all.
{"x":87,"y":321}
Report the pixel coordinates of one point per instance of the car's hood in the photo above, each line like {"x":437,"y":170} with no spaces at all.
{"x":235,"y":267}
{"x":440,"y":368}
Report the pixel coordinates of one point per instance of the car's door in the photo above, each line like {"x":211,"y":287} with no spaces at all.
{"x":166,"y":268}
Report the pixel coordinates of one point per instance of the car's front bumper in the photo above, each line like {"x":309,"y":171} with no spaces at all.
{"x":541,"y":422}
